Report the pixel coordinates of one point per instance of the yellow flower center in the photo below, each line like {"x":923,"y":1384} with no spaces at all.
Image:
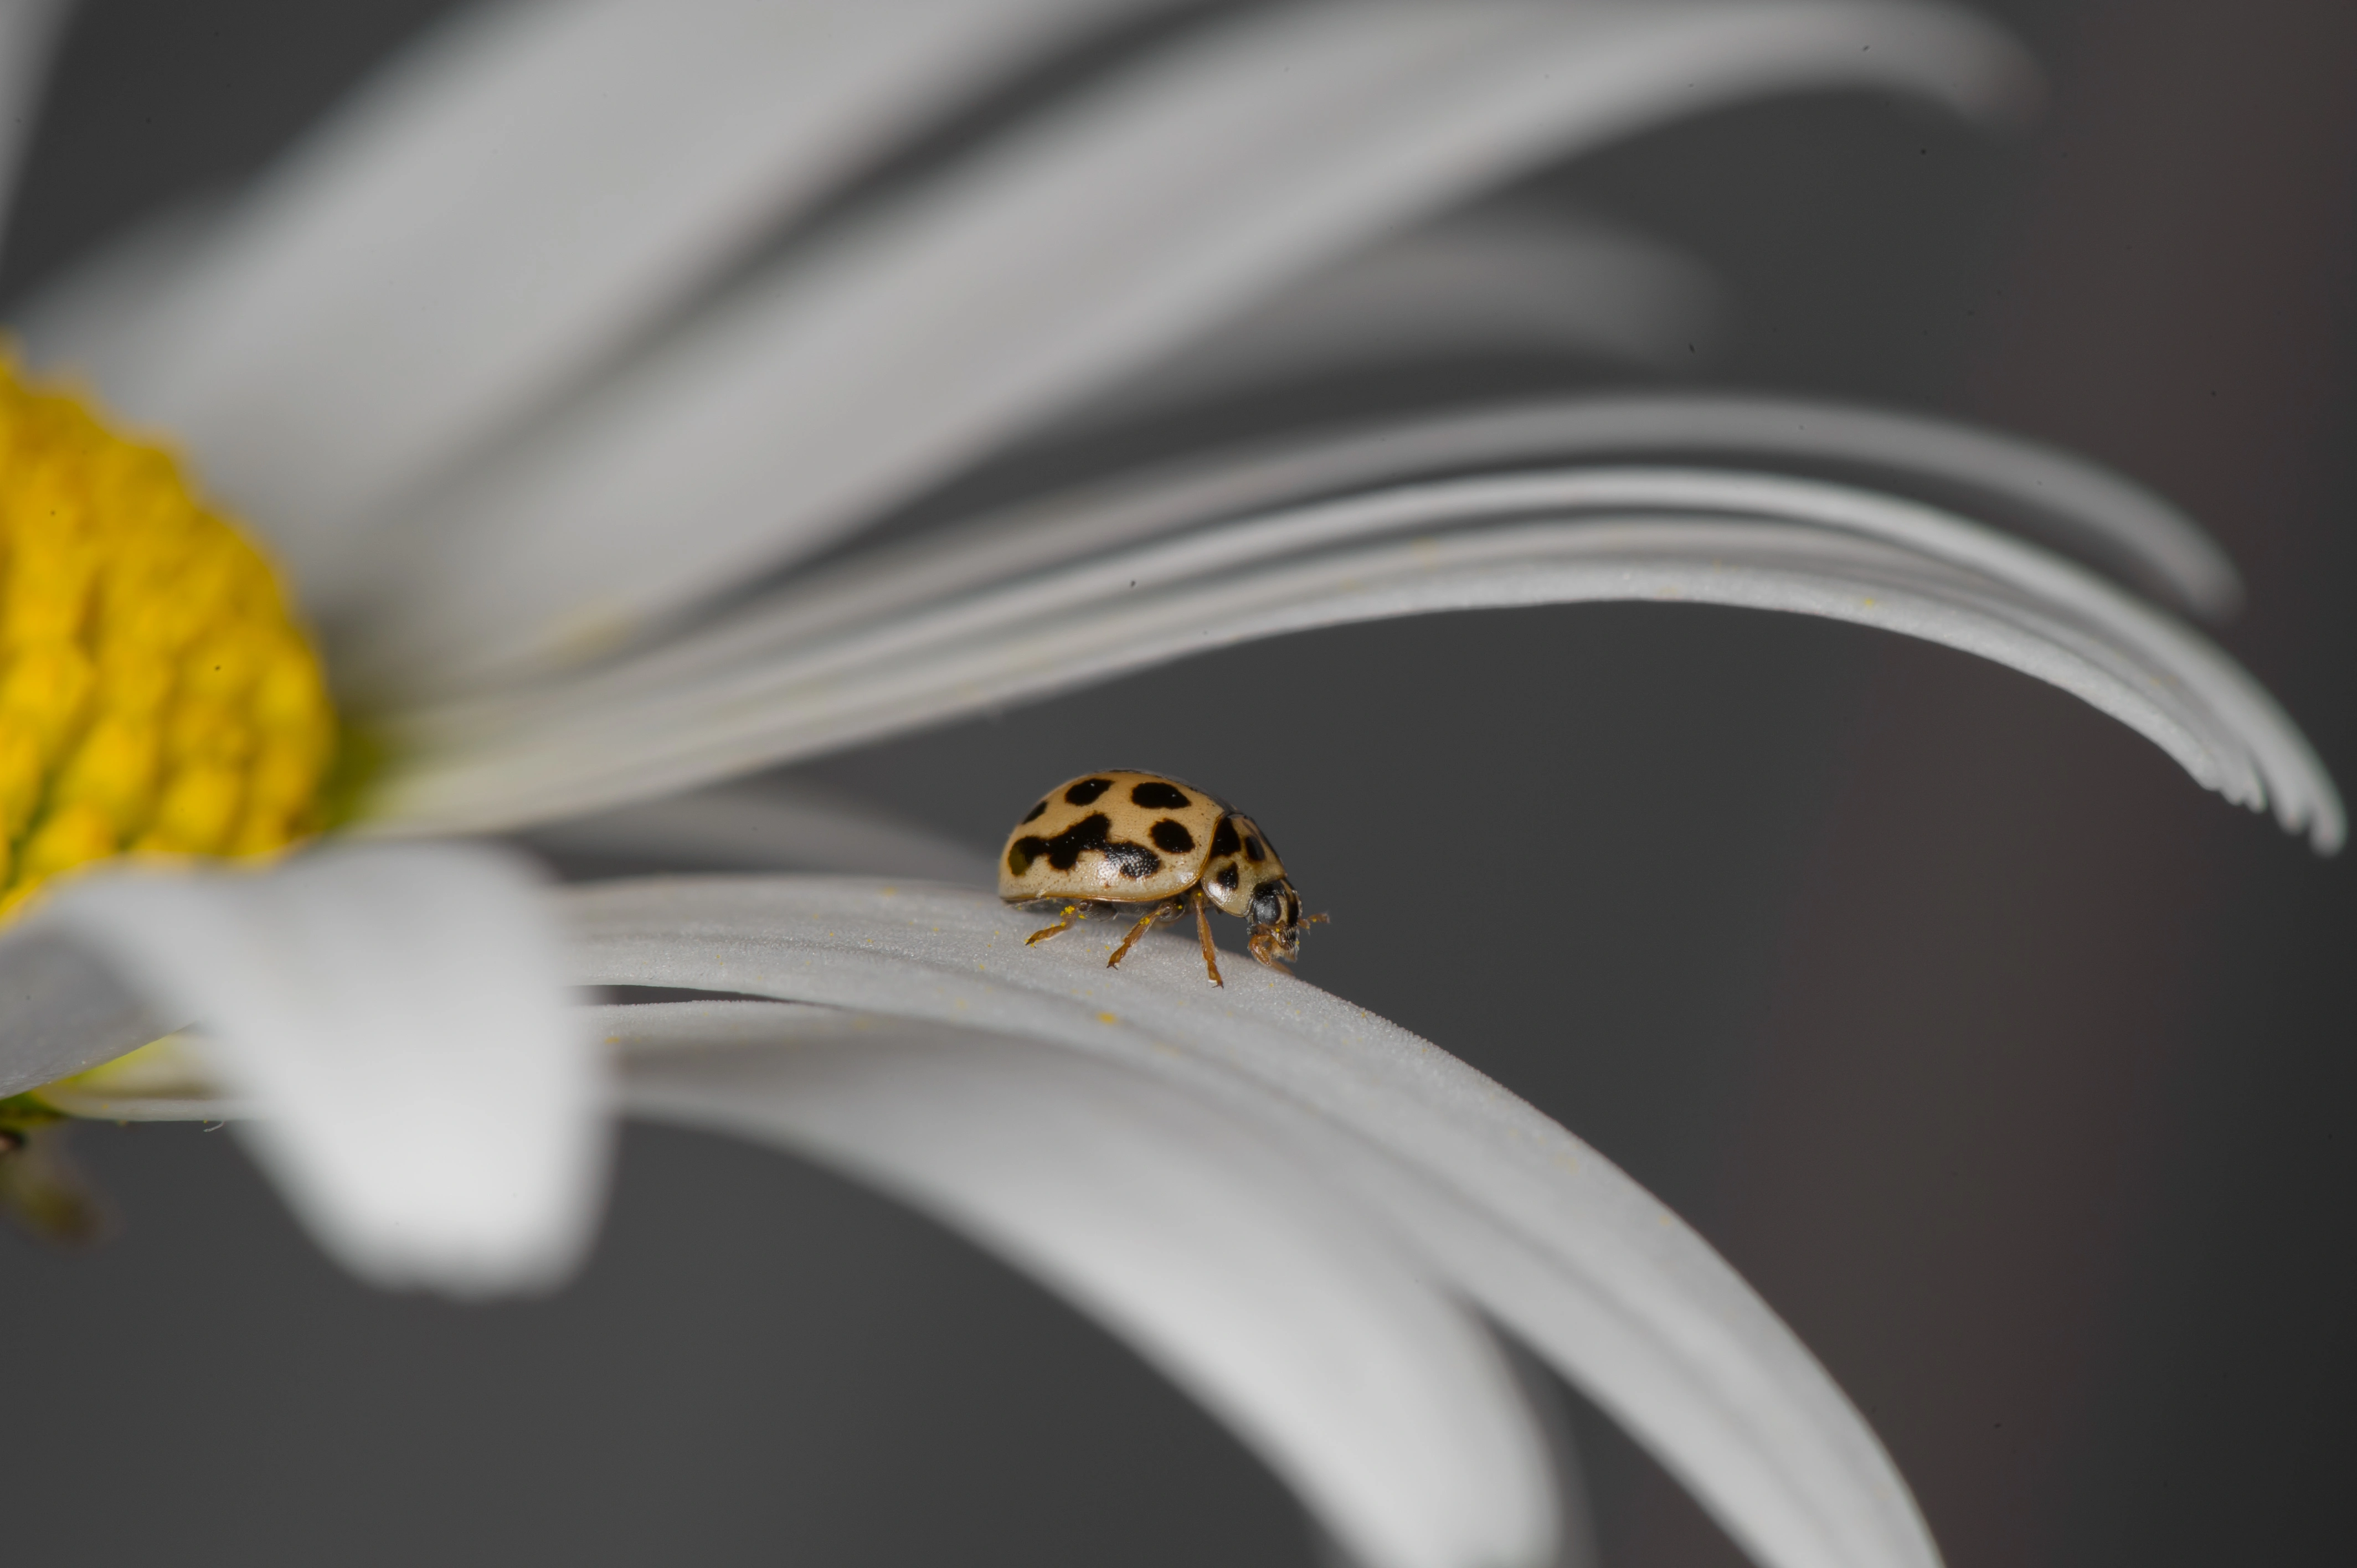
{"x":156,"y":696}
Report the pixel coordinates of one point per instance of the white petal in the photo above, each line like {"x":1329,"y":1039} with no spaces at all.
{"x":2050,"y":494}
{"x":169,"y":1080}
{"x":771,"y":826}
{"x":737,"y":701}
{"x":29,"y":30}
{"x":1541,"y":1231}
{"x":101,"y":320}
{"x":64,"y":1009}
{"x":1504,"y":282}
{"x":400,"y":1014}
{"x":509,"y":204}
{"x":1092,"y":240}
{"x":1180,"y":1224}
{"x":1173,"y":1221}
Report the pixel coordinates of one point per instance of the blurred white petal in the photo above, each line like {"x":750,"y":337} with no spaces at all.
{"x":399,"y":1015}
{"x":1495,"y":282}
{"x":63,"y":1008}
{"x":100,"y":319}
{"x":1179,"y":1223}
{"x":1538,"y":1229}
{"x":511,"y":200}
{"x":29,"y":31}
{"x":1090,"y":242}
{"x":773,"y":825}
{"x":173,"y":1079}
{"x":740,"y":699}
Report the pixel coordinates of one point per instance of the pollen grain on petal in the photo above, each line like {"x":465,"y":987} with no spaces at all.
{"x":157,"y":693}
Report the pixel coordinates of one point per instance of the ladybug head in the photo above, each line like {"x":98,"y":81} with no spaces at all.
{"x":1277,"y":922}
{"x":1245,"y":877}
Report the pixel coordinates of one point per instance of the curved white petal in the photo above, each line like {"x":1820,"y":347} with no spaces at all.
{"x":771,"y":826}
{"x":1091,"y":241}
{"x":1539,"y":1230}
{"x":1500,"y":282}
{"x":2051,"y":494}
{"x":509,"y":203}
{"x":1181,"y":1223}
{"x":399,"y":1016}
{"x":734,"y":701}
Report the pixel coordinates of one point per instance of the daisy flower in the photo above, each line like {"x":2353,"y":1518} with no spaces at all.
{"x":536,"y":396}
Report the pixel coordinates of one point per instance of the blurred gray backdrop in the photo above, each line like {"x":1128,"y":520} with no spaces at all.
{"x":2008,"y":1065}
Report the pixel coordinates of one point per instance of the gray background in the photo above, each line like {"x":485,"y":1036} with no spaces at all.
{"x":2011,"y":1067}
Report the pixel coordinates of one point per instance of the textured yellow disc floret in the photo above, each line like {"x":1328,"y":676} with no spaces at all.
{"x":156,"y":694}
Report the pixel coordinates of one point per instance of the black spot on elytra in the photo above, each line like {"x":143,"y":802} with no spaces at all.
{"x":1225,"y":881}
{"x":1086,"y":791}
{"x":1223,"y":837}
{"x":1253,"y":852}
{"x":1134,"y":860}
{"x":1156,"y":796}
{"x":1172,"y":837}
{"x":1034,"y":814}
{"x":1093,"y":832}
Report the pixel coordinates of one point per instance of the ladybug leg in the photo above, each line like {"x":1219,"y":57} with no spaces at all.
{"x":1072,"y":912}
{"x":1160,"y":912}
{"x":1203,"y":928}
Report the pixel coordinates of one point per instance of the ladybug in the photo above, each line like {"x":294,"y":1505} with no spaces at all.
{"x":1125,"y":838}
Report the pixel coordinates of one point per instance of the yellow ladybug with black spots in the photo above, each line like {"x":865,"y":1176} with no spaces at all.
{"x":1122,"y":837}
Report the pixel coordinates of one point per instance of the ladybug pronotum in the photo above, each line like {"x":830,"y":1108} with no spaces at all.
{"x":1127,"y":838}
